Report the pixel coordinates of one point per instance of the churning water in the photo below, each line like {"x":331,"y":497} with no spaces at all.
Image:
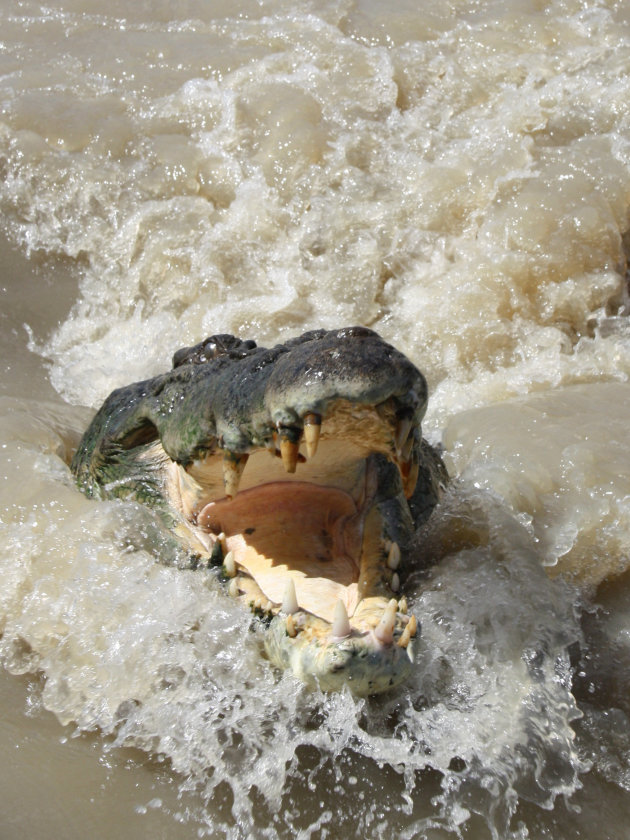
{"x":455,"y":176}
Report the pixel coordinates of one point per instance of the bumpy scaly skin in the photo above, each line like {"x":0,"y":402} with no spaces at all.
{"x":230,"y":397}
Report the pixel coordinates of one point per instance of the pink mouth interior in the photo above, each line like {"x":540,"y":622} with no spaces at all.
{"x":310,"y":533}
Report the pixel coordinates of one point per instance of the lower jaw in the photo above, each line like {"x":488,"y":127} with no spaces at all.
{"x":360,"y":661}
{"x":375,"y":655}
{"x":370,"y":653}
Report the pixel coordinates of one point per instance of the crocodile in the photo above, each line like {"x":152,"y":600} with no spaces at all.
{"x":300,"y":472}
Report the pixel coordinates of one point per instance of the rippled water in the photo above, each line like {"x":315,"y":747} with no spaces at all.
{"x":457,"y":178}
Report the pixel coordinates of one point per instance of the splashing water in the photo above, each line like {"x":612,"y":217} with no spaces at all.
{"x":160,"y":659}
{"x":458,"y":178}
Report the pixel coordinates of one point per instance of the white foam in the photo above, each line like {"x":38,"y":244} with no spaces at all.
{"x":478,"y":210}
{"x":457,"y":179}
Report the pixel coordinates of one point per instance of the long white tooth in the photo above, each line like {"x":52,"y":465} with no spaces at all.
{"x":384,"y":630}
{"x":393,"y":556}
{"x":233,"y":588}
{"x":402,"y":605}
{"x":395,"y":584}
{"x":289,"y":599}
{"x":341,"y":625}
{"x":229,"y":564}
{"x":312,"y":429}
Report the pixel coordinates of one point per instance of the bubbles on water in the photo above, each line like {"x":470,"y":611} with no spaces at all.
{"x":560,"y":462}
{"x":159,"y":658}
{"x":470,"y":181}
{"x":459,"y":181}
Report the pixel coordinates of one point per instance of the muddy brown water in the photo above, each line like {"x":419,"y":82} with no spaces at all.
{"x":457,"y":178}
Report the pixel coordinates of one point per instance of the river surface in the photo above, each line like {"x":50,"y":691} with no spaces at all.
{"x":455,"y":176}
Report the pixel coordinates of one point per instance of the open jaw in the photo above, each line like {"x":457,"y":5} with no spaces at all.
{"x":292,"y":469}
{"x":311,"y":543}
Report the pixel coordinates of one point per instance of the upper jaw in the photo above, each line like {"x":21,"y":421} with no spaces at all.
{"x":277,"y":398}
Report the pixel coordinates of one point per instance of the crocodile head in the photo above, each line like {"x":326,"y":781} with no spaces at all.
{"x":301,"y":471}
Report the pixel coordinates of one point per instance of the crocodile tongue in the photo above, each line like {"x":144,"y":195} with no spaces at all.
{"x":309,"y":533}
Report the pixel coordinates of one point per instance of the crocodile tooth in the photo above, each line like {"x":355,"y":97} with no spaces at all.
{"x":409,"y":470}
{"x":291,"y":628}
{"x":233,"y":588}
{"x":233,"y":466}
{"x":229,"y":564}
{"x":384,"y":630}
{"x":312,"y":429}
{"x":341,"y":625}
{"x":405,"y":452}
{"x":290,"y":453}
{"x":393,"y":556}
{"x":403,"y":427}
{"x":410,"y":630}
{"x":289,"y":599}
{"x":411,"y":479}
{"x":222,"y":540}
{"x":402,"y":605}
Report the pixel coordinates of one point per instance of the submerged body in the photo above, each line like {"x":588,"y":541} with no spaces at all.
{"x":314,"y":539}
